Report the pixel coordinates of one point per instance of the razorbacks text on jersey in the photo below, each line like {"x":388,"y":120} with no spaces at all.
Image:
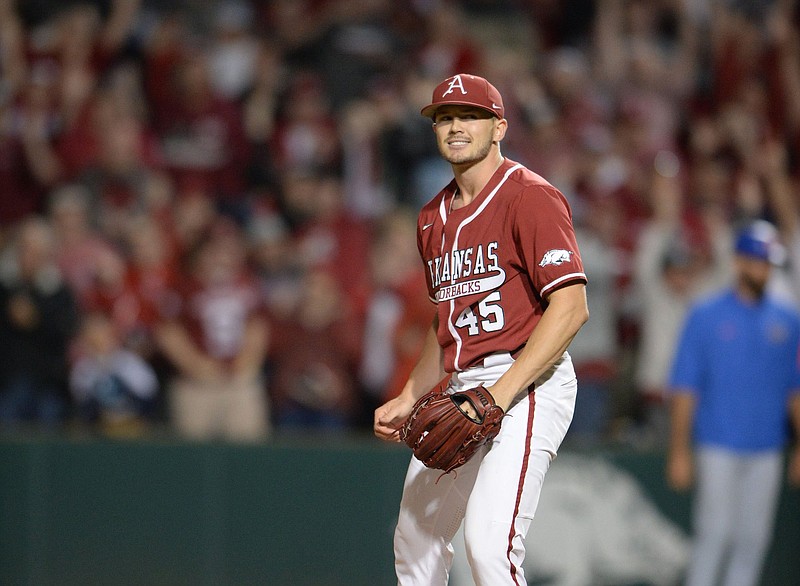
{"x":488,"y":263}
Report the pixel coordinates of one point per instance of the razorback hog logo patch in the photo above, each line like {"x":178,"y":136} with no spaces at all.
{"x":555,"y":257}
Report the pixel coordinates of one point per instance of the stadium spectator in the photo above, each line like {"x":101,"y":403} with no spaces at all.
{"x":111,"y":292}
{"x":326,"y":233}
{"x":276,"y":263}
{"x":216,"y":336}
{"x":360,"y":127}
{"x":29,"y":164}
{"x":201,"y":133}
{"x":121,"y":178}
{"x":305,"y":134}
{"x":114,"y":389}
{"x":38,"y":316}
{"x":313,"y":358}
{"x":153,"y":276}
{"x":234,"y":49}
{"x":79,"y":244}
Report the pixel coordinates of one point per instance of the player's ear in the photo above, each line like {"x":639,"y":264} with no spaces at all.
{"x":500,"y":128}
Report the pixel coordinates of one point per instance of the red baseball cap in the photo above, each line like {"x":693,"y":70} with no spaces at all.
{"x":466,"y":90}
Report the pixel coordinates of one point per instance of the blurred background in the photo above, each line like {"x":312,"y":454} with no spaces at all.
{"x":209,"y":276}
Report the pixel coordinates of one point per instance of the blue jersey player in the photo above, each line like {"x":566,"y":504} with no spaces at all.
{"x":735,"y":387}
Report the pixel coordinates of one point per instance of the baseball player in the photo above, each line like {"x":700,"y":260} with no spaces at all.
{"x":734,"y":383}
{"x":505,"y":273}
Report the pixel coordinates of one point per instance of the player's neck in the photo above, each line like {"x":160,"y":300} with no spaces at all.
{"x":473,"y":178}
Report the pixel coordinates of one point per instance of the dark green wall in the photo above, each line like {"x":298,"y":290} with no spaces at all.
{"x":291,"y":512}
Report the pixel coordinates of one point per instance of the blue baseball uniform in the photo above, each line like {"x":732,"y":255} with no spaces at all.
{"x":739,"y":360}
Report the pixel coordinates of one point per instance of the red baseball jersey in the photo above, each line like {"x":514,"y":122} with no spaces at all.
{"x":216,"y":316}
{"x":490,"y":265}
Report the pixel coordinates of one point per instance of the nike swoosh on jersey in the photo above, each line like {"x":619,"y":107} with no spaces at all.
{"x":426,"y":226}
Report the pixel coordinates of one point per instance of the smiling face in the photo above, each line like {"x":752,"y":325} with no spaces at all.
{"x":466,"y":135}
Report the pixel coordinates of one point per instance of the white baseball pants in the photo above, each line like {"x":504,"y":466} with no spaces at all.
{"x":495,"y":494}
{"x":734,"y":512}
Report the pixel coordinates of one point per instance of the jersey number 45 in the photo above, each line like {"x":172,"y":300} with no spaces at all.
{"x":491,"y":316}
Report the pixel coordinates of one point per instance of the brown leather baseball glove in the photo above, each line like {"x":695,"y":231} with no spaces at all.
{"x":440,"y":432}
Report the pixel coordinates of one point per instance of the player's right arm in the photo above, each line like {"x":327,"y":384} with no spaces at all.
{"x":685,"y":384}
{"x":428,"y":371}
{"x":680,"y":459}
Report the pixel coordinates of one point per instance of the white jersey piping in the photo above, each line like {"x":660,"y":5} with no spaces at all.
{"x":561,"y":280}
{"x":464,"y":222}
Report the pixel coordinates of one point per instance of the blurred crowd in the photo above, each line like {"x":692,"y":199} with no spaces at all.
{"x":208,"y":209}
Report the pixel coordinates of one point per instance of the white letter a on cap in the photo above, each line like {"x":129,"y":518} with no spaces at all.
{"x":455,"y":83}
